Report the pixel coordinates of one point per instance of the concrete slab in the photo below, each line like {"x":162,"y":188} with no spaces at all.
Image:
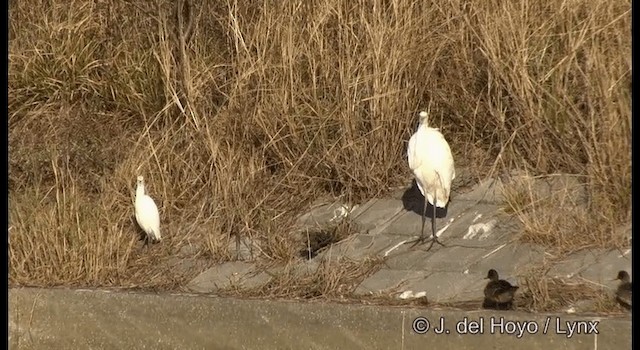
{"x":408,"y":225}
{"x":509,"y":259}
{"x":400,"y":191}
{"x":474,"y":290}
{"x":408,"y":259}
{"x":357,"y":247}
{"x":606,"y":268}
{"x":453,"y":259}
{"x":448,"y":286}
{"x":466,"y":222}
{"x":236,"y":273}
{"x":464,"y":181}
{"x":102,"y":320}
{"x":306,"y":267}
{"x":481,"y":226}
{"x":325,"y":214}
{"x":361,"y":208}
{"x":574,"y":264}
{"x":379,"y":214}
{"x":387,"y":281}
{"x":487,"y":191}
{"x":185,"y":266}
{"x":565,"y":188}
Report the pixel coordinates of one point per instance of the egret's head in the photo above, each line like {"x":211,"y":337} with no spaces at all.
{"x":423,"y":117}
{"x":140,"y":180}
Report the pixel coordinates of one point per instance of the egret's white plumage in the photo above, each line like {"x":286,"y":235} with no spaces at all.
{"x":431,"y":162}
{"x":147,"y":214}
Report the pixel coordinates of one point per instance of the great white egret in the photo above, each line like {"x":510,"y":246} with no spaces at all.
{"x":623,"y":293}
{"x":431,"y":162}
{"x":498,"y":293}
{"x":147,"y":213}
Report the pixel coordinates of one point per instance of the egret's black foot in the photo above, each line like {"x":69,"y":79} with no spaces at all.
{"x":415,"y":242}
{"x":422,"y":240}
{"x":435,"y":240}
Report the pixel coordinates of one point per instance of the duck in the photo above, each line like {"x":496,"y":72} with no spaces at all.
{"x":623,"y":293}
{"x":498,"y":294}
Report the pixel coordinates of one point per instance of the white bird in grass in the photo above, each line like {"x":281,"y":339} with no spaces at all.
{"x":147,"y":213}
{"x":431,"y":162}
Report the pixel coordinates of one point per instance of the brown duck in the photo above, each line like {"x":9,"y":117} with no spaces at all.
{"x":623,"y":293}
{"x":498,"y":294}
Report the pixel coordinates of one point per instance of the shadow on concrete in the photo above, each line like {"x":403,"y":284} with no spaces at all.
{"x":412,"y":200}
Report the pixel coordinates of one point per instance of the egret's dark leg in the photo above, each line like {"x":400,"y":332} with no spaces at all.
{"x":434,"y":238}
{"x":145,"y":241}
{"x":424,"y":218}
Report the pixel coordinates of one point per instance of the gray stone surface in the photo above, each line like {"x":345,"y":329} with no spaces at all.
{"x":466,"y":222}
{"x":453,"y":259}
{"x":231,"y":274}
{"x":362,"y":208}
{"x":566,"y":188}
{"x":487,"y":191}
{"x":605,"y":270}
{"x":474,"y":287}
{"x":306,"y":267}
{"x":449,"y":286}
{"x":574,"y":264}
{"x":477,"y":233}
{"x":405,"y":258}
{"x":67,"y":319}
{"x":478,"y":236}
{"x":378,"y":214}
{"x":387,"y":281}
{"x":358,"y":246}
{"x":185,"y":266}
{"x":325,"y":213}
{"x":509,"y":259}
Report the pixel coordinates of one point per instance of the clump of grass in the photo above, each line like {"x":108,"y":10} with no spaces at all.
{"x":331,"y":279}
{"x":555,"y":211}
{"x":550,"y":128}
{"x":239,"y":115}
{"x":553,"y":294}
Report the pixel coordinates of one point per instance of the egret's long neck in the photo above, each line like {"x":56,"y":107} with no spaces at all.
{"x":140,"y":190}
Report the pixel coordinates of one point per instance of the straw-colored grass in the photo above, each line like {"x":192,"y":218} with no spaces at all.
{"x":239,"y":113}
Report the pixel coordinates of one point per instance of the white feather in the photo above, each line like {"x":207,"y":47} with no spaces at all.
{"x":147,"y":214}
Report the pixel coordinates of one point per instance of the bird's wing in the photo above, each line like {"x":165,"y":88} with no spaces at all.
{"x":150,"y":209}
{"x":411,"y":152}
{"x":500,"y":291}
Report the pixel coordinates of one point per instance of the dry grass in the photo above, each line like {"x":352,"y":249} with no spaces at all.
{"x":240,"y":113}
{"x":543,"y":294}
{"x":556,"y":213}
{"x":334,"y":279}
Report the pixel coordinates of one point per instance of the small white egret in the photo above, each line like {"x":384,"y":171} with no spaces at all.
{"x":147,"y":213}
{"x":431,"y":162}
